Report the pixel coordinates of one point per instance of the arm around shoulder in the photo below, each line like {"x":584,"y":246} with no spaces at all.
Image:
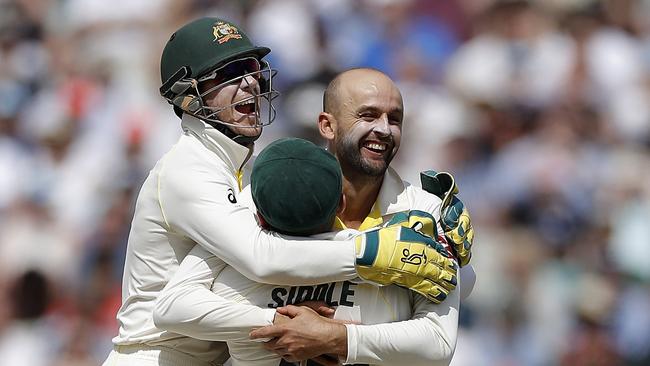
{"x":207,"y":212}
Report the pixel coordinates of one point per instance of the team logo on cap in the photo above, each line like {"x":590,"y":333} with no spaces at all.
{"x":224,"y":32}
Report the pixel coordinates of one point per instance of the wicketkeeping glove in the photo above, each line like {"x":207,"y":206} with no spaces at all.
{"x":400,"y":255}
{"x":454,"y":217}
{"x":419,"y":220}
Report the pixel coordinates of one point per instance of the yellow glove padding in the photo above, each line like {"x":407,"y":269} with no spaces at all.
{"x":418,"y":220}
{"x":454,"y":217}
{"x":399,"y":255}
{"x":457,"y":226}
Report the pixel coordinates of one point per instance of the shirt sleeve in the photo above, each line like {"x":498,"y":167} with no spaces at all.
{"x":199,"y":205}
{"x":468,"y":280}
{"x":187,"y":306}
{"x":247,"y":353}
{"x":428,"y":338}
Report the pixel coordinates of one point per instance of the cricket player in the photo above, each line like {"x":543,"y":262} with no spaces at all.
{"x":296,"y":187}
{"x":370,"y":113}
{"x":217,"y":82}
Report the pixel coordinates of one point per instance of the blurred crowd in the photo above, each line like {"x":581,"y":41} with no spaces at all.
{"x":541,"y":109}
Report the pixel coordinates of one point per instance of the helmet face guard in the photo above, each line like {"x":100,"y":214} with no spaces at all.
{"x":248,"y":73}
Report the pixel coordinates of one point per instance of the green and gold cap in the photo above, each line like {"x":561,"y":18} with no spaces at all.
{"x":204,"y":44}
{"x":296,"y":187}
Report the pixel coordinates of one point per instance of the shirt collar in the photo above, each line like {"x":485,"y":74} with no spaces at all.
{"x":228,"y":150}
{"x":392,"y":198}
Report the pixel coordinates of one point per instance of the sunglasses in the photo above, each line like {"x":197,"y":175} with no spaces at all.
{"x":235,"y":70}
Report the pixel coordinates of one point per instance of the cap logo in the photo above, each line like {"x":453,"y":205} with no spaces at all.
{"x":224,"y":32}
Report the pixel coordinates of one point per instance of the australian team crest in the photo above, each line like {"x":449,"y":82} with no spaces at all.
{"x":223,"y":32}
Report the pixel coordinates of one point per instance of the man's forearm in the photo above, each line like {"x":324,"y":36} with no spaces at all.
{"x":339,"y":342}
{"x":188,"y":306}
{"x":412,"y":342}
{"x":199,"y":315}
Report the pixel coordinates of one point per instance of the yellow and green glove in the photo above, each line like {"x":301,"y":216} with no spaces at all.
{"x":419,"y":220}
{"x":400,"y":255}
{"x":454,"y":217}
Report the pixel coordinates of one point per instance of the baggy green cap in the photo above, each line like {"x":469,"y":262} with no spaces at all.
{"x":296,"y":186}
{"x":204,"y":44}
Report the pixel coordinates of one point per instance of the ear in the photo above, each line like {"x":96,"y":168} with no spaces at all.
{"x":327,"y":126}
{"x":262,"y":223}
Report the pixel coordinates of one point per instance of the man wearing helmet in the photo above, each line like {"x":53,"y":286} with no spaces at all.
{"x":220,"y":86}
{"x":219,"y":77}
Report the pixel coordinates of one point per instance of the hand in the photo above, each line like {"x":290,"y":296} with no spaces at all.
{"x":454,"y":217}
{"x":417,"y":220}
{"x":457,"y":226}
{"x":319,"y":307}
{"x":400,"y":255}
{"x":280,"y":319}
{"x":307,"y":335}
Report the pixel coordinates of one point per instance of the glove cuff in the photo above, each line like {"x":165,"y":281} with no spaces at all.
{"x":367,"y":246}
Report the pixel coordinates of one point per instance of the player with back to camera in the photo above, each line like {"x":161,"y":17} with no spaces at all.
{"x":297,"y":189}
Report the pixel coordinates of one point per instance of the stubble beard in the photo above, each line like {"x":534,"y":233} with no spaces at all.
{"x":350,"y":155}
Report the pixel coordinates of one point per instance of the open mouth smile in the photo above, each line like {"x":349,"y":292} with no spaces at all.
{"x":375,"y":148}
{"x":246,"y":107}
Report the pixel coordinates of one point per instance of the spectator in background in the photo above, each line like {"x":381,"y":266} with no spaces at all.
{"x":545,"y":104}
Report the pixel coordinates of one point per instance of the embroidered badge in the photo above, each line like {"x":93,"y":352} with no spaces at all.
{"x":223,"y":32}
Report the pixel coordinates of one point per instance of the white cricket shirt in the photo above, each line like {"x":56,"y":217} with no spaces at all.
{"x":189,"y":198}
{"x":427,"y":334}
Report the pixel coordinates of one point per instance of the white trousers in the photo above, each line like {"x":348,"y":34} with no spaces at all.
{"x":141,"y":355}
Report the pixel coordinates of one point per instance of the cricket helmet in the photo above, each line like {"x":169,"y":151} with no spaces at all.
{"x":213,"y":48}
